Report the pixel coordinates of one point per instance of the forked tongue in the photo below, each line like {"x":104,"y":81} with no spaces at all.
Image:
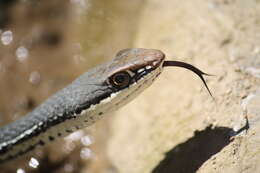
{"x":189,"y":67}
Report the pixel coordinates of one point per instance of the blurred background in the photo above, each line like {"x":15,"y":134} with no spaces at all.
{"x":46,"y":44}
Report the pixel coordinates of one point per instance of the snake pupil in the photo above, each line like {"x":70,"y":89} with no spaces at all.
{"x":121,"y":79}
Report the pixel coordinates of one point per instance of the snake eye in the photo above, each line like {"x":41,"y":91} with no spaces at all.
{"x":120,"y":79}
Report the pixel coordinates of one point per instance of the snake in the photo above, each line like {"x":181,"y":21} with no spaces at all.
{"x":88,"y":98}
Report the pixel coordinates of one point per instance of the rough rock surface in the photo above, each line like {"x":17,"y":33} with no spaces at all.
{"x":155,"y":132}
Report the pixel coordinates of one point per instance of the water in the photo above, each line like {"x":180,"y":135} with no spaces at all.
{"x":86,"y":153}
{"x":22,"y":53}
{"x":34,"y":163}
{"x":7,"y":37}
{"x":86,"y":140}
{"x":29,"y":64}
{"x":20,"y":171}
{"x":35,"y":78}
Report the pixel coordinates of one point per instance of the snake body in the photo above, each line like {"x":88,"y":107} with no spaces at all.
{"x":98,"y":91}
{"x":81,"y":103}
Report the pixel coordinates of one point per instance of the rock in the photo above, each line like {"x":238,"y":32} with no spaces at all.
{"x":176,"y":117}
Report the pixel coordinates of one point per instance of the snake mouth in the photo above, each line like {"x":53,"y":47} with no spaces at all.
{"x":142,"y":72}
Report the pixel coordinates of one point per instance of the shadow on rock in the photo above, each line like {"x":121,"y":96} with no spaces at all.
{"x":187,"y":157}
